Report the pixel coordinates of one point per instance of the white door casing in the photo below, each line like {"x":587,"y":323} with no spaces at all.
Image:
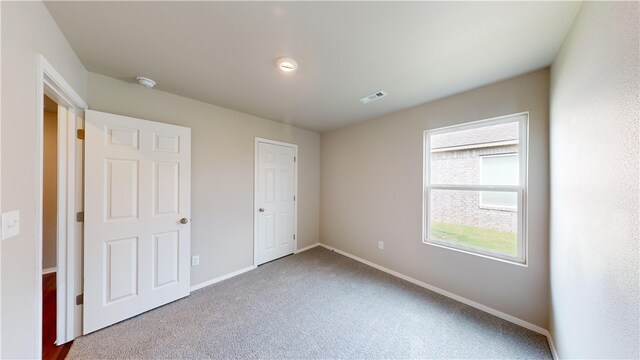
{"x":275,"y":200}
{"x":68,"y":280}
{"x":137,"y":190}
{"x":66,"y":223}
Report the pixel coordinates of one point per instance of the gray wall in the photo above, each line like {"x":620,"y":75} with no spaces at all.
{"x":595,"y":109}
{"x":371,"y":190}
{"x":27,"y":30}
{"x":222,"y":147}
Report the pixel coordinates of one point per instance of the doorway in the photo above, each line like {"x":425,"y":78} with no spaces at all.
{"x":50,"y":350}
{"x":57,"y":226}
{"x":275,"y":200}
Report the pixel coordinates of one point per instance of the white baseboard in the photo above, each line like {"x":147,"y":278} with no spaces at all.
{"x":49,"y":270}
{"x":492,"y":311}
{"x":241,"y":271}
{"x":500,"y":314}
{"x":552,"y":346}
{"x":223,"y":277}
{"x":306,"y":248}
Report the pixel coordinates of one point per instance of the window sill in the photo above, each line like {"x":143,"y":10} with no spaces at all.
{"x":464,"y":250}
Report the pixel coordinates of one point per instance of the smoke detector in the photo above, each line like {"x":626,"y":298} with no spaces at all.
{"x":286,"y":64}
{"x":146,"y":82}
{"x":375,"y":96}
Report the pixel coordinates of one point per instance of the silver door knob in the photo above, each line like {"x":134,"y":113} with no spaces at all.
{"x":261,"y":209}
{"x":184,"y":221}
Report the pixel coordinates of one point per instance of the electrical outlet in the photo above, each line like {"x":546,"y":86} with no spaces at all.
{"x":381,"y":245}
{"x":195,"y":260}
{"x":10,"y":224}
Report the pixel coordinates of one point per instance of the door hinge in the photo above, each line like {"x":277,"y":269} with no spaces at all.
{"x":80,"y":299}
{"x":80,"y":216}
{"x":294,"y":198}
{"x":294,"y":159}
{"x":294,"y":236}
{"x":80,"y":134}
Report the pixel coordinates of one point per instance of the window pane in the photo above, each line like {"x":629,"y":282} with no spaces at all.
{"x":499,"y":170}
{"x":455,"y":155}
{"x":456,"y":218}
{"x":499,"y":199}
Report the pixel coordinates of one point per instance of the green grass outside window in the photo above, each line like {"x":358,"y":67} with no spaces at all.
{"x":503,"y":242}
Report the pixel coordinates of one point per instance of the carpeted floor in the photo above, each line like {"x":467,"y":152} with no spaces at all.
{"x":314,"y":305}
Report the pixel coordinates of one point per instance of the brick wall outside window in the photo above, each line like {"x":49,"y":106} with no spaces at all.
{"x":463,"y":207}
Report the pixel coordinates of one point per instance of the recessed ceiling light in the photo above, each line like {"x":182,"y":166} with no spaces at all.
{"x":286,"y":64}
{"x":146,"y":82}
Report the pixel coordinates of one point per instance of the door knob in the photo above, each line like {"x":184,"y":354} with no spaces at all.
{"x":261,"y":209}
{"x":184,"y":221}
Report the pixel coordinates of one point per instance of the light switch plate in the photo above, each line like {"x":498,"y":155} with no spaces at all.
{"x":10,"y":224}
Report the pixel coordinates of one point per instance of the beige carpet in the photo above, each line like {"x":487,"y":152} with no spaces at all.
{"x":314,"y":305}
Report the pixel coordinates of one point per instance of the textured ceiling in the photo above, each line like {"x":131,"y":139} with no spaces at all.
{"x":223,"y":53}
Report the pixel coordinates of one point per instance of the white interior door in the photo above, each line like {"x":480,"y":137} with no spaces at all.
{"x":137,"y":208}
{"x":275,"y":200}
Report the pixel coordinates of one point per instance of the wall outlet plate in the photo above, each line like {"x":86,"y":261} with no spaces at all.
{"x":381,"y":245}
{"x":10,"y":224}
{"x":195,"y":260}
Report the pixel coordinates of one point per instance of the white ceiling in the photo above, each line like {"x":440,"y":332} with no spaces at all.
{"x":223,"y":53}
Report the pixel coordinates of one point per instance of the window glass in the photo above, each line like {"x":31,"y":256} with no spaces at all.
{"x":454,"y":154}
{"x":499,"y":170}
{"x":473,"y":192}
{"x":453,"y":220}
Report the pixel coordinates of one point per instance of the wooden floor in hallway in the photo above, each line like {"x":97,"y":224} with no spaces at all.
{"x":49,"y":349}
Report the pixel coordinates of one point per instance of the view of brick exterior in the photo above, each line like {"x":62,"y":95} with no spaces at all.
{"x":456,"y":159}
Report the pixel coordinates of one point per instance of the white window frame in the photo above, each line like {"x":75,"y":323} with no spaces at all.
{"x":521,"y":189}
{"x":482,"y":205}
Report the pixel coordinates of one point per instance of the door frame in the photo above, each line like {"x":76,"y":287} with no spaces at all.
{"x":51,"y":83}
{"x":255,"y":193}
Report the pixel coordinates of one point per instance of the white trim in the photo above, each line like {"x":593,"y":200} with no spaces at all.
{"x":255,"y":193}
{"x":221,"y":278}
{"x":552,"y":346}
{"x":39,"y":193}
{"x":475,"y":146}
{"x":522,"y":234}
{"x":51,"y":83}
{"x":49,"y":270}
{"x":497,"y":188}
{"x":1,"y":193}
{"x":58,"y":88}
{"x":306,"y":248}
{"x":242,"y":271}
{"x":492,"y":311}
{"x":64,"y":234}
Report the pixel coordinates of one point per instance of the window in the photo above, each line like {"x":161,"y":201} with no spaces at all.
{"x":499,"y":170}
{"x":475,"y":187}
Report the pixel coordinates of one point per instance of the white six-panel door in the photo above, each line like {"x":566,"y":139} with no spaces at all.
{"x":275,"y":202}
{"x":137,"y":191}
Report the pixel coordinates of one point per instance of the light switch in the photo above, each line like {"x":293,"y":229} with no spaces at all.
{"x":10,"y":224}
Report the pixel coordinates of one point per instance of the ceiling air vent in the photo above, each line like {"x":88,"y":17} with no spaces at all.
{"x":375,"y":96}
